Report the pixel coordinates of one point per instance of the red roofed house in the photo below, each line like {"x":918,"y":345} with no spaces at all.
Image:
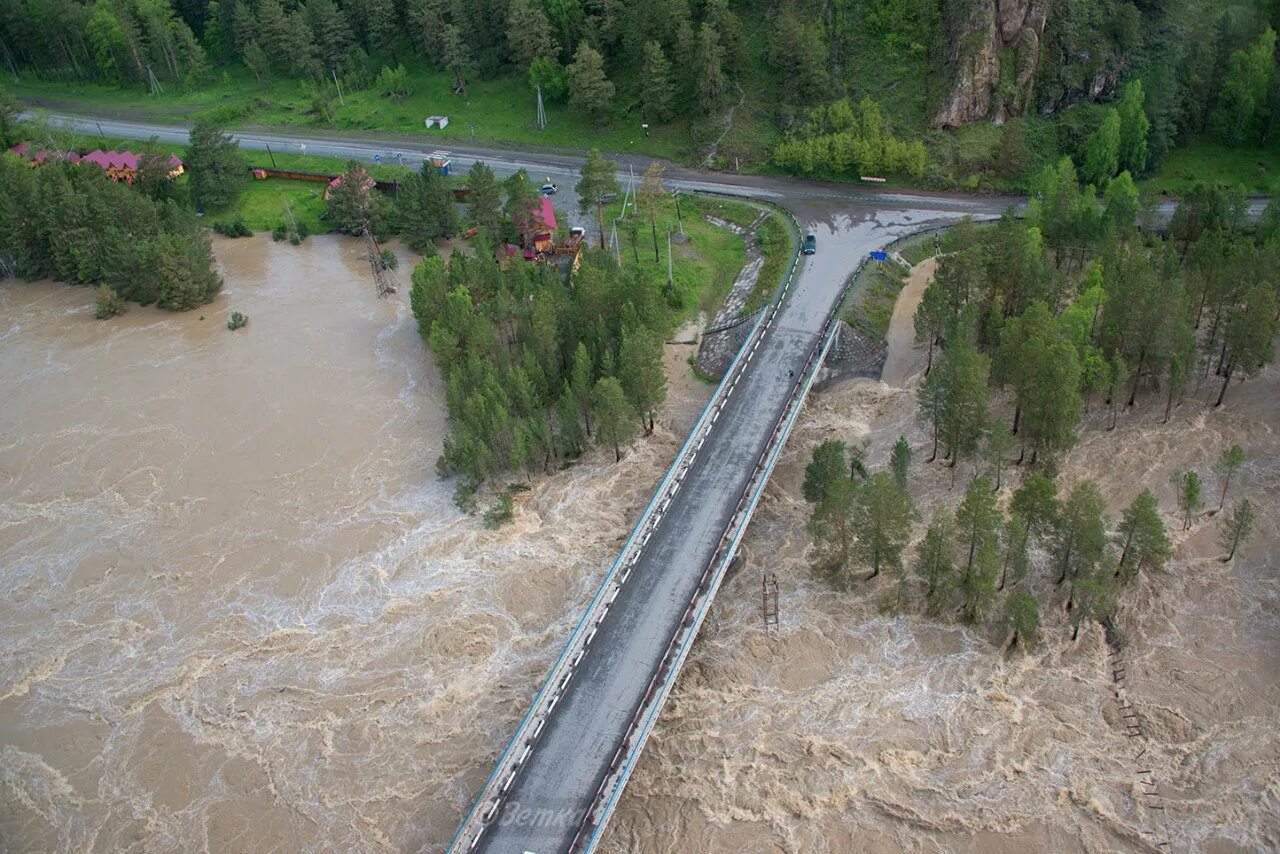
{"x":119,"y":165}
{"x":123,"y":165}
{"x":367,"y":183}
{"x":537,"y":230}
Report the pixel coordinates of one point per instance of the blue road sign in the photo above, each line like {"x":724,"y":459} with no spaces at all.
{"x":879,"y":255}
{"x":377,"y":158}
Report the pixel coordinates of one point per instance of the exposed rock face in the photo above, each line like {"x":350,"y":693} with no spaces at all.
{"x":994,"y":49}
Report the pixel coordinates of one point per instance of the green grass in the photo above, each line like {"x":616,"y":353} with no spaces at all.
{"x":703,"y":267}
{"x":1255,"y":169}
{"x":778,"y":240}
{"x":262,"y":204}
{"x":498,"y":110}
{"x":873,"y":294}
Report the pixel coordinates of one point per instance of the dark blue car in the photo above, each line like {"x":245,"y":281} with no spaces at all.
{"x":810,"y":244}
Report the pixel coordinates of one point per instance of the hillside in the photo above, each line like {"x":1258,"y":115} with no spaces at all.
{"x":994,"y":89}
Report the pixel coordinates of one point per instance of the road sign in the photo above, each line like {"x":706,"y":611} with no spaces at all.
{"x":377,"y":158}
{"x":879,"y":255}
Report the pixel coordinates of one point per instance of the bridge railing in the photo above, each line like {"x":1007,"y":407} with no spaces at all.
{"x":518,"y":750}
{"x":663,"y":679}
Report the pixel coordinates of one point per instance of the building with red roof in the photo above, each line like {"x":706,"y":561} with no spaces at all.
{"x":119,"y":165}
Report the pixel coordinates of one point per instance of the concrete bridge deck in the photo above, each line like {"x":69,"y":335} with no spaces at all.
{"x":580,"y":751}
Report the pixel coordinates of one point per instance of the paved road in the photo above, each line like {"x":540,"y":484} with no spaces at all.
{"x":562,"y":169}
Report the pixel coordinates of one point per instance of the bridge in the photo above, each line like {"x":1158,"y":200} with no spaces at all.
{"x":560,"y":777}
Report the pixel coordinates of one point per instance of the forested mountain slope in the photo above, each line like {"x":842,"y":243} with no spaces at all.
{"x":823,"y":87}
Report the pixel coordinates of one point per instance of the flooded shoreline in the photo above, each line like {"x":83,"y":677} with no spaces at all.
{"x":240,"y":609}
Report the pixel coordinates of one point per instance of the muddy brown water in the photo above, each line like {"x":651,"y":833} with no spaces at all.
{"x":238,"y":612}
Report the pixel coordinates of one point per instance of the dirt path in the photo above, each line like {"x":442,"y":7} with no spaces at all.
{"x":905,"y":359}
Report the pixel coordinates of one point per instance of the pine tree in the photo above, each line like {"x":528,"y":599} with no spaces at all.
{"x":977,"y":524}
{"x":1143,"y":541}
{"x":528,"y":34}
{"x":1035,"y":503}
{"x":599,"y":181}
{"x":881,"y":517}
{"x":615,"y":420}
{"x":580,"y":384}
{"x":832,"y":530}
{"x":1081,"y":536}
{"x":642,"y":375}
{"x":1189,"y":498}
{"x":964,"y":414}
{"x":935,"y":562}
{"x":1091,"y":600}
{"x":1015,"y":552}
{"x":710,"y":82}
{"x":569,"y":436}
{"x":900,"y":462}
{"x":1228,"y":464}
{"x":590,"y":91}
{"x":824,"y":471}
{"x":1021,"y":619}
{"x":456,"y":57}
{"x":354,"y":202}
{"x":1237,"y":528}
{"x":996,"y":448}
{"x":425,"y":209}
{"x":1102,"y":150}
{"x":657,"y":90}
{"x":1249,"y":343}
{"x":484,"y":201}
{"x":216,"y":169}
{"x":978,"y":585}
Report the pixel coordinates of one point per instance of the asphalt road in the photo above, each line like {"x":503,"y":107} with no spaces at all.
{"x":561,"y":169}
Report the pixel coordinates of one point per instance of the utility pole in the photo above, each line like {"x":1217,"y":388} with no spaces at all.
{"x":338,"y":86}
{"x":670,"y":279}
{"x":540,"y":119}
{"x":272,"y":155}
{"x":769,"y":600}
{"x":678,"y":217}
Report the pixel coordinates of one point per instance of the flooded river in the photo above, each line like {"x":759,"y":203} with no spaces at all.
{"x":240,"y":611}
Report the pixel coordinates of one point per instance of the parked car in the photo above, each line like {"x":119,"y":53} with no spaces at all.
{"x":810,"y":244}
{"x":548,"y":189}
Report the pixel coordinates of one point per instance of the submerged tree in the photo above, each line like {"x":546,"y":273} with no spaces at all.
{"x":824,"y":471}
{"x":1021,"y":619}
{"x":1143,"y":541}
{"x":935,"y":562}
{"x":1187,"y":484}
{"x":1228,"y":464}
{"x":1237,"y":528}
{"x":900,"y":461}
{"x":882,"y":516}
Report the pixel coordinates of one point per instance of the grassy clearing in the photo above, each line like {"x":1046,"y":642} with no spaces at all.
{"x":703,"y":267}
{"x":262,"y":204}
{"x":1203,"y":162}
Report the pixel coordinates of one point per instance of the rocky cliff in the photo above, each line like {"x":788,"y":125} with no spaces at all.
{"x":994,"y":47}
